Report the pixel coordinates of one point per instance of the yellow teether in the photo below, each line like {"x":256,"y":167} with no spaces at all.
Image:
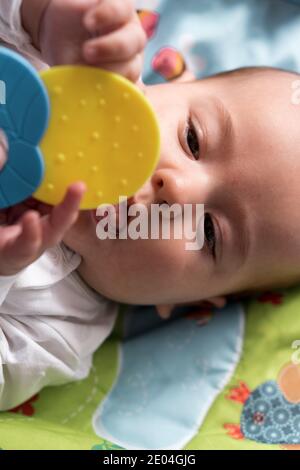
{"x":102,"y":131}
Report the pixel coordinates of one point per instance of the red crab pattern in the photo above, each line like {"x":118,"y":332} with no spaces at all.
{"x":26,"y":408}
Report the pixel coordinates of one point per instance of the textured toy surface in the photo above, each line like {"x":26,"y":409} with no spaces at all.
{"x":102,"y":131}
{"x":24,"y":118}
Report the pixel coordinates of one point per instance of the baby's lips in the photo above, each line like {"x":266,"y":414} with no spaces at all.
{"x":149,"y":20}
{"x":169,"y":63}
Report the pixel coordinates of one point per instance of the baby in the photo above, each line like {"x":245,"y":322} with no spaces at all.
{"x":229,"y":142}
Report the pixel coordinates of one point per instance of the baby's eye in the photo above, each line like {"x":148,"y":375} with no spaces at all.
{"x":210,"y":234}
{"x":192,"y":141}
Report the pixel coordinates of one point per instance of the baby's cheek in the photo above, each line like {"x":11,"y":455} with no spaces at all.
{"x":164,"y":256}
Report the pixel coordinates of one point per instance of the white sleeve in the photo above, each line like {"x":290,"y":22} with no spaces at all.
{"x":34,"y":354}
{"x":12,"y":31}
{"x":6,"y":283}
{"x":50,"y":328}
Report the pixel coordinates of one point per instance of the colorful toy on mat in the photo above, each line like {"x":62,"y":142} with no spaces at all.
{"x":101,"y":130}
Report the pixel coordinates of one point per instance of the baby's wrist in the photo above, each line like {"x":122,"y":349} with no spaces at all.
{"x":32,"y":12}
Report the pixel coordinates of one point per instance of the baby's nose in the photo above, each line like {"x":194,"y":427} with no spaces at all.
{"x":171,"y":187}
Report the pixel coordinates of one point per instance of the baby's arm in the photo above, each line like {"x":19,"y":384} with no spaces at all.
{"x":31,"y":15}
{"x":6,"y":284}
{"x":9,"y":377}
{"x":37,"y":350}
{"x":12,"y":30}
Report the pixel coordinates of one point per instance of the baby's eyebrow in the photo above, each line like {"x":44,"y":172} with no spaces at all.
{"x":241,"y":230}
{"x":239,"y":222}
{"x":243,"y":240}
{"x":225,"y":120}
{"x":238,"y":214}
{"x":221,"y":119}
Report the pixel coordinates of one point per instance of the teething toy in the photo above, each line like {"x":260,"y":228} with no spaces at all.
{"x":101,"y":131}
{"x":24,"y":118}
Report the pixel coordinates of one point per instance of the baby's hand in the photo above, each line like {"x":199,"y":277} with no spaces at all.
{"x":25,"y":241}
{"x":3,"y":149}
{"x":105,"y":33}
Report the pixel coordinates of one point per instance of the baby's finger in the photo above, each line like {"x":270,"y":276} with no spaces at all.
{"x":11,"y":215}
{"x":108,"y":16}
{"x":8,"y":234}
{"x":129,"y":69}
{"x":3,"y":149}
{"x":28,"y":243}
{"x":118,"y":46}
{"x":63,"y":216}
{"x":22,"y":244}
{"x":15,"y":212}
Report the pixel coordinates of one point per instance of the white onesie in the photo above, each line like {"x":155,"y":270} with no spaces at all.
{"x":51,"y":323}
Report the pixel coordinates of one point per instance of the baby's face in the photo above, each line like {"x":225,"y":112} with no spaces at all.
{"x":233,"y":144}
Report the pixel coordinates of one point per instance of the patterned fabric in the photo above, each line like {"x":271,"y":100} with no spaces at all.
{"x":268,"y":417}
{"x":209,"y":36}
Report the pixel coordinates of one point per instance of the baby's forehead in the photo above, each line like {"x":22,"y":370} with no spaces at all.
{"x":247,"y":74}
{"x":263,"y":84}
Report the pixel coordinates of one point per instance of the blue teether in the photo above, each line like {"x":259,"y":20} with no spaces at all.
{"x":24,"y":114}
